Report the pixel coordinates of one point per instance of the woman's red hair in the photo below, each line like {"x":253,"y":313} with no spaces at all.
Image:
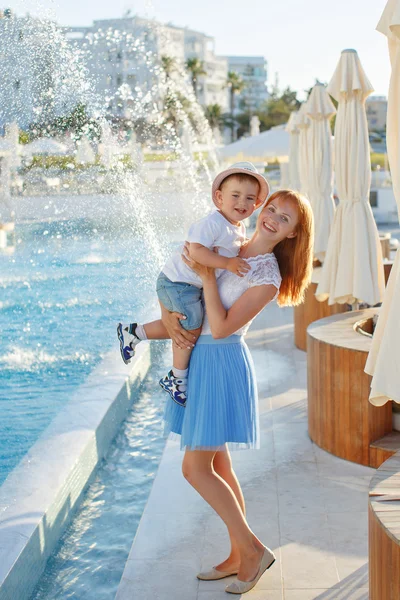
{"x":295,"y":255}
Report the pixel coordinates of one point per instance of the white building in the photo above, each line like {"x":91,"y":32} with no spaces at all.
{"x":114,"y":58}
{"x":253,"y":70}
{"x":212,"y":86}
{"x":376,"y":107}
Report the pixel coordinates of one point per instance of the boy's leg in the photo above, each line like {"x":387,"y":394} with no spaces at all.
{"x":181,"y":356}
{"x":131,"y":334}
{"x":175,"y":382}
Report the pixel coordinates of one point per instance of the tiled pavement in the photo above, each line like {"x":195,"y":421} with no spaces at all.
{"x":307,"y":505}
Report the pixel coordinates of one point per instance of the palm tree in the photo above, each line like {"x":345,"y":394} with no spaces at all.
{"x":214,"y":115}
{"x":168,"y":65}
{"x":175,"y":105}
{"x":235,"y":84}
{"x":196,"y":69}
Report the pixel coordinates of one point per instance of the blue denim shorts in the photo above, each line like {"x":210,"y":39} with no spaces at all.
{"x":183,"y":298}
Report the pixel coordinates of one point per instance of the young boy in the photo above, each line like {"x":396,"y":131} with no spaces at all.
{"x":236,"y":192}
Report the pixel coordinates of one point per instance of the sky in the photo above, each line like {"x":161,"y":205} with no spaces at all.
{"x":301,"y":39}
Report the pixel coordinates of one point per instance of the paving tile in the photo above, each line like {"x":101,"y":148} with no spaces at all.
{"x":290,"y":407}
{"x":345,"y":493}
{"x":309,"y":530}
{"x":349,"y":531}
{"x":299,"y":489}
{"x":159,"y":536}
{"x":333,"y":466}
{"x":327,"y":594}
{"x":255,"y":594}
{"x":292,"y":444}
{"x":353,"y":566}
{"x":307,"y":566}
{"x":163,"y":580}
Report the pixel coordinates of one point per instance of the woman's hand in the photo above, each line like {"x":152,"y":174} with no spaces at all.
{"x":202,"y":271}
{"x":179,"y":336}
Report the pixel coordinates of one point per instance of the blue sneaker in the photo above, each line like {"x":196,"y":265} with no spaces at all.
{"x":171,"y":385}
{"x":127,"y":341}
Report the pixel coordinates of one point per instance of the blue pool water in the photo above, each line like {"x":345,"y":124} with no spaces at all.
{"x":90,"y":558}
{"x":61,"y":294}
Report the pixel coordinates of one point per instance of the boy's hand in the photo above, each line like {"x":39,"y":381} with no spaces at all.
{"x":238,"y":266}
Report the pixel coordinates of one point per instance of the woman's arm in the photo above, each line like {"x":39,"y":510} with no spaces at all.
{"x":225,"y":322}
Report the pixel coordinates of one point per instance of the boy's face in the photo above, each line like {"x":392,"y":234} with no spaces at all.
{"x":237,"y":199}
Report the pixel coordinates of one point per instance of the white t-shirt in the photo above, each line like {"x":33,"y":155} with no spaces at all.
{"x":212,"y":231}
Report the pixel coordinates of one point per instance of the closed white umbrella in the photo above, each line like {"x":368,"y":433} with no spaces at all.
{"x":384,"y":357}
{"x":45,"y":146}
{"x":268,"y":145}
{"x":321,"y":109}
{"x":293,"y":131}
{"x":303,"y":123}
{"x":353,"y":269}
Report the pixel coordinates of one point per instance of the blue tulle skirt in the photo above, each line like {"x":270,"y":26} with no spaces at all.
{"x":222,"y":405}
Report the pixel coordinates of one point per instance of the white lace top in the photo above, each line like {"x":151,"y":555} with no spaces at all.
{"x":264,"y":270}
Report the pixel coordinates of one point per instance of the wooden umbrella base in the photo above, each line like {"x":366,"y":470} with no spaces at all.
{"x":311,"y":310}
{"x":341,"y":420}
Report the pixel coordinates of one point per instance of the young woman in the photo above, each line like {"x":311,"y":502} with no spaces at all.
{"x":221,"y":412}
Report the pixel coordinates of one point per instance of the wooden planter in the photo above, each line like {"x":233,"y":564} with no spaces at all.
{"x":341,"y":420}
{"x":311,"y":310}
{"x":384,"y":532}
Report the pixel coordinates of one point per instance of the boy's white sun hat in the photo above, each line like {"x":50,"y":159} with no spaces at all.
{"x":247,"y":168}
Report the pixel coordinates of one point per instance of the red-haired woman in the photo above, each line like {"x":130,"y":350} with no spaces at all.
{"x":221,"y":412}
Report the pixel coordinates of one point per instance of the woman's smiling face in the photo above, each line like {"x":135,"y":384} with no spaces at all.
{"x":278,"y":219}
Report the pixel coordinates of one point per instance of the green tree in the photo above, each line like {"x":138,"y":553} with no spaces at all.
{"x":196,"y":69}
{"x":168,"y":65}
{"x":235,"y":84}
{"x":175,"y":105}
{"x":214,"y":116}
{"x":277,"y":109}
{"x":77,"y":122}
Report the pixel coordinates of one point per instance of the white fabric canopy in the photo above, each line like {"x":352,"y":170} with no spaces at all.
{"x":293,"y":131}
{"x":303,"y":123}
{"x":45,"y":146}
{"x":353,"y":266}
{"x":268,"y":145}
{"x":320,"y":109}
{"x":384,"y":357}
{"x":6,"y":146}
{"x":12,"y":136}
{"x":84,"y":151}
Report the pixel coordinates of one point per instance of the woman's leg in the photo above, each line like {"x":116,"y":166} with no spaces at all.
{"x":198,"y":469}
{"x":223,"y":467}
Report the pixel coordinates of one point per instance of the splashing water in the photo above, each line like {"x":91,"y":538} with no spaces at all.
{"x":75,"y":272}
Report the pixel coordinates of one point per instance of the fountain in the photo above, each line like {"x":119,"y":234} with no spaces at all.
{"x":83,"y":261}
